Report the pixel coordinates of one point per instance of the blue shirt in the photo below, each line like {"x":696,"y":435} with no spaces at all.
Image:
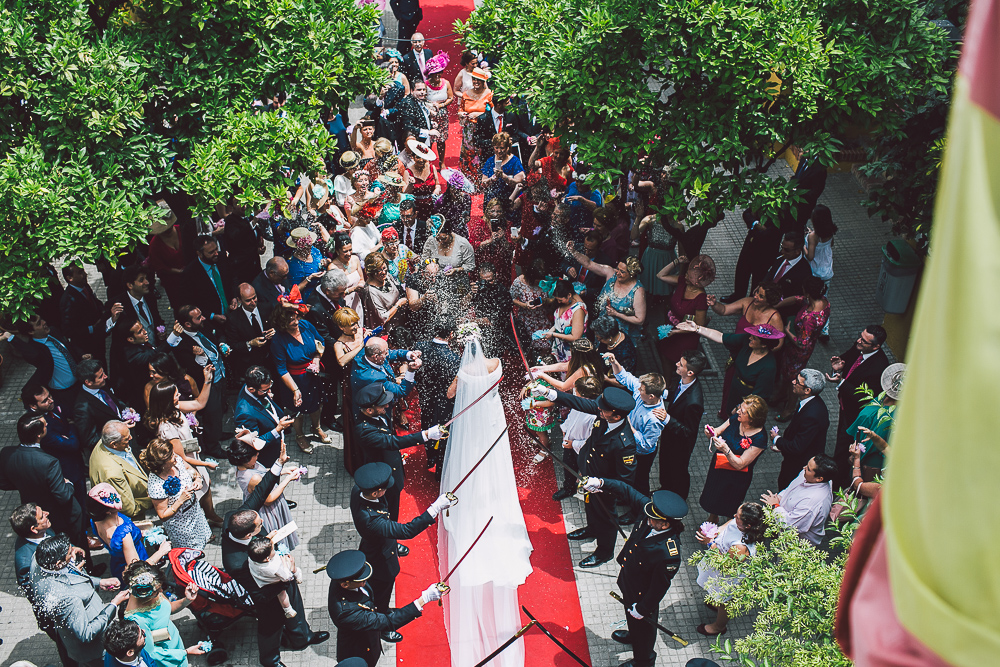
{"x":62,"y":371}
{"x":647,"y":428}
{"x":580,"y":215}
{"x":127,"y":455}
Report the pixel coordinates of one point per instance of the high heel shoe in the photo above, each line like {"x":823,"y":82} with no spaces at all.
{"x":322,"y":436}
{"x":304,"y":444}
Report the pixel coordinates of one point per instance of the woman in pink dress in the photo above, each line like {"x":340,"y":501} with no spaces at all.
{"x":802,"y":333}
{"x":688,"y":301}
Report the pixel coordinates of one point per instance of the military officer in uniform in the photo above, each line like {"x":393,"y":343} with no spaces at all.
{"x":608,"y":453}
{"x":359,"y":626}
{"x":650,"y":559}
{"x":377,"y":442}
{"x":379,"y":532}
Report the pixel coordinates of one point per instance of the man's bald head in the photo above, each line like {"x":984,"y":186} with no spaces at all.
{"x":376,"y":349}
{"x":248,"y":296}
{"x":276,"y":269}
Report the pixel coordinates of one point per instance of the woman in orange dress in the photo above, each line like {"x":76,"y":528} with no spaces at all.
{"x":474,"y":103}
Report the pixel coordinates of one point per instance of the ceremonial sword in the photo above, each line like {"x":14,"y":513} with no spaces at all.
{"x":550,"y":636}
{"x":448,"y":423}
{"x":451,"y":494}
{"x":440,"y":585}
{"x":649,"y":620}
{"x":517,"y":635}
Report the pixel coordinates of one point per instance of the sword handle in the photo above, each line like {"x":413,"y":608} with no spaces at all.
{"x":453,"y":498}
{"x":444,"y":589}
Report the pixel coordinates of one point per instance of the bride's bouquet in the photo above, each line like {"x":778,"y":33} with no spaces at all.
{"x":468,"y":330}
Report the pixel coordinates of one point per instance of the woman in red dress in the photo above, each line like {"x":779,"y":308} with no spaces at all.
{"x":167,"y":259}
{"x":424,"y":183}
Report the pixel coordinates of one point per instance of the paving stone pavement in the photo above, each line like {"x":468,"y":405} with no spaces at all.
{"x":324,"y":519}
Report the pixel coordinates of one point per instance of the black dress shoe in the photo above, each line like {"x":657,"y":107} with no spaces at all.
{"x":319,"y":637}
{"x":563,"y":494}
{"x":622,"y":636}
{"x":593,"y":561}
{"x":823,"y":338}
{"x":626,"y":519}
{"x":580,"y":534}
{"x":292,"y":504}
{"x":391,"y":636}
{"x":402,"y":550}
{"x":730,"y":298}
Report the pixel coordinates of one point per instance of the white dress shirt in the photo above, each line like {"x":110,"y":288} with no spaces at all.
{"x":805,"y":506}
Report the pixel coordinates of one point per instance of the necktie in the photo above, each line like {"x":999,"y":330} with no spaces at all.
{"x":409,"y":237}
{"x":217,"y":279}
{"x":857,"y":362}
{"x":281,"y":289}
{"x":258,"y":329}
{"x":499,"y":123}
{"x":92,"y":297}
{"x":215,"y":358}
{"x":781,"y":270}
{"x":106,"y":397}
{"x":140,"y":308}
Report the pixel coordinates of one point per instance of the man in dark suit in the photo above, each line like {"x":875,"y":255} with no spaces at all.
{"x":608,"y":453}
{"x":39,"y":479}
{"x":415,"y":56}
{"x":377,"y":442}
{"x":138,"y":305}
{"x":31,"y":525}
{"x":269,"y":285}
{"x":810,"y":180}
{"x":195,"y":350}
{"x":491,"y":123}
{"x":380,"y":531}
{"x":359,"y":627}
{"x":54,"y":357}
{"x":247,"y":334}
{"x":789,"y":270}
{"x":413,"y":118}
{"x":85,"y":319}
{"x":244,"y":244}
{"x":326,"y":300}
{"x":523,"y":129}
{"x":861,"y":365}
{"x":60,"y":439}
{"x":755,"y":256}
{"x":96,"y":404}
{"x":374,"y":366}
{"x":685,"y":407}
{"x":805,"y":436}
{"x":208,"y":284}
{"x":440,"y":366}
{"x":255,"y":411}
{"x":410,"y":229}
{"x":274,"y":630}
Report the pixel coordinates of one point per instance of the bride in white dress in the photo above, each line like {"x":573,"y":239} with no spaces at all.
{"x":482,"y":612}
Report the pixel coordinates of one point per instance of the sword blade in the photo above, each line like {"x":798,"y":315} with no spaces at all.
{"x":517,"y":635}
{"x":552,"y":637}
{"x":466,"y":408}
{"x":538,"y":443}
{"x":467,"y":551}
{"x":670,"y":633}
{"x":513,"y":328}
{"x":481,"y":459}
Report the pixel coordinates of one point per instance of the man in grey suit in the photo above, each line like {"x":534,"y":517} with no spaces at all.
{"x":67,"y":598}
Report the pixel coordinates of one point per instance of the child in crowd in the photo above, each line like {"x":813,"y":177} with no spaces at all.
{"x":576,"y":429}
{"x":269,"y":567}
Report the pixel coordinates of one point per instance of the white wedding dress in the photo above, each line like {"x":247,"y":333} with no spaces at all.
{"x":481,"y":612}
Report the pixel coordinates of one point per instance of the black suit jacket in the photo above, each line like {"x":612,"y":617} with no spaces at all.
{"x":519,"y":126}
{"x":804,"y":438}
{"x":39,"y":478}
{"x":608,"y":456}
{"x":685,"y":413}
{"x":420,"y":235}
{"x":439,"y":368}
{"x":409,"y":65}
{"x":359,"y":625}
{"x":184,"y":353}
{"x":133,"y":369}
{"x":239,"y":332}
{"x":267,"y":296}
{"x":235,"y":560}
{"x":199,"y":288}
{"x":320,"y":314}
{"x":119,"y":334}
{"x":869,"y":372}
{"x":77,"y":314}
{"x":38,"y":355}
{"x":242,"y":239}
{"x":90,"y":414}
{"x":791,"y":282}
{"x":411,"y":120}
{"x":379,"y":533}
{"x":485,"y":129}
{"x":378,"y":443}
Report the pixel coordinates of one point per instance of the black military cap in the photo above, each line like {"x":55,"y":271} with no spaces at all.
{"x":348,"y":566}
{"x":614,"y":398}
{"x":666,"y":505}
{"x":353,"y":662}
{"x":372,"y":395}
{"x":371,"y":476}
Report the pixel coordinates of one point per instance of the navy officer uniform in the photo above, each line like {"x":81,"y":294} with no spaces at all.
{"x":608,"y":453}
{"x":379,"y":531}
{"x":377,"y":441}
{"x":352,"y":609}
{"x":650,"y":559}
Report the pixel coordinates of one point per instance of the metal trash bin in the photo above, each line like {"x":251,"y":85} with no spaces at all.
{"x":900,"y":267}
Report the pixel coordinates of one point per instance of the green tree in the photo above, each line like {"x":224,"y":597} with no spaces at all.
{"x":104,"y":105}
{"x":709,"y":87}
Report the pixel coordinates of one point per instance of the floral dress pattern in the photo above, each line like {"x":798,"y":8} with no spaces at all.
{"x":623,"y":304}
{"x":803,"y":331}
{"x":542,"y":419}
{"x":564,"y":324}
{"x":188,"y":527}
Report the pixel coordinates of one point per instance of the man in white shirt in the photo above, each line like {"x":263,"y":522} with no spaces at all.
{"x":806,"y":503}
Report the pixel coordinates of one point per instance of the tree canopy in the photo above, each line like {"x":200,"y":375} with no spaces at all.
{"x":106,"y":104}
{"x":708,"y":88}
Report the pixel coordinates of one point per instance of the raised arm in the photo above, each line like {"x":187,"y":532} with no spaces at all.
{"x":589,"y":264}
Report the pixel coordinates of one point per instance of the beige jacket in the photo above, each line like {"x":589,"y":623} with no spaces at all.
{"x":105,"y":466}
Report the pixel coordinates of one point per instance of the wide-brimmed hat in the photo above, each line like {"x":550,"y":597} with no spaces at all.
{"x":297,"y":237}
{"x":436,"y":64}
{"x":160,"y":225}
{"x":892,"y":380}
{"x":349,"y":160}
{"x":764,"y":331}
{"x":389,"y":234}
{"x":369,"y":209}
{"x":420,"y":150}
{"x":481,"y":74}
{"x":391,"y":178}
{"x":107,"y":495}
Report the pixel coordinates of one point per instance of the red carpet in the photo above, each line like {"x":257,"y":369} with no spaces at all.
{"x":549,"y":592}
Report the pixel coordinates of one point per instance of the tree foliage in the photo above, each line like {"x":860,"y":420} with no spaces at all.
{"x":105,"y":104}
{"x":708,"y":87}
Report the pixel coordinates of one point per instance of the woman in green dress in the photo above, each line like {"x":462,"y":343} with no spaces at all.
{"x":148,"y":607}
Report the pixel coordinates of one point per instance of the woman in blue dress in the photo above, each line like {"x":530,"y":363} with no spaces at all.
{"x":306,"y":260}
{"x":499,"y":184}
{"x":297,"y":348}
{"x":120,"y":536}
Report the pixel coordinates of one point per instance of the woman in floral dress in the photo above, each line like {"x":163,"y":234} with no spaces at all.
{"x":803,"y":331}
{"x":173,"y":486}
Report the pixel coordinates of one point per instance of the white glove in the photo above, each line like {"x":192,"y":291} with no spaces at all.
{"x":435,"y":432}
{"x":542,"y":392}
{"x":634,"y":613}
{"x":593,"y":485}
{"x":443,"y":502}
{"x":413,"y":354}
{"x":430,"y":595}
